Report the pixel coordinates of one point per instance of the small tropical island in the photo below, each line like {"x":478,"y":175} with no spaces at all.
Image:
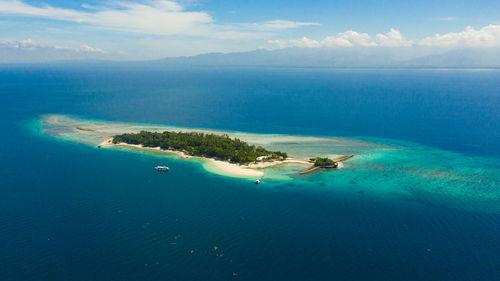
{"x":325,"y":163}
{"x":229,"y":154}
{"x":232,"y":154}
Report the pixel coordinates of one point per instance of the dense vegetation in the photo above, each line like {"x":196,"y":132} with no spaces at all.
{"x":199,"y":144}
{"x":322,"y":162}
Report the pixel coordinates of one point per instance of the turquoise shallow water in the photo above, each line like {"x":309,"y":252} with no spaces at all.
{"x":418,"y":202}
{"x":381,"y":167}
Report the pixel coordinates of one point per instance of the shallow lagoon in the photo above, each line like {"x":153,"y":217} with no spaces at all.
{"x":381,"y":167}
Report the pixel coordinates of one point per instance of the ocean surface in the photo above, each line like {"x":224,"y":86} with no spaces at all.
{"x":422,"y":202}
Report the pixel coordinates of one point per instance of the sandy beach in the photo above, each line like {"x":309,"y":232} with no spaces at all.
{"x":221,"y":167}
{"x":100,"y":134}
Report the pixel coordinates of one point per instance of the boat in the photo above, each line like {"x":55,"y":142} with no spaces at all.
{"x":162,"y":168}
{"x":257,"y":181}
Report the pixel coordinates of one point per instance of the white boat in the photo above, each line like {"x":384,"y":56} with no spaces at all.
{"x":257,"y":181}
{"x":162,"y":168}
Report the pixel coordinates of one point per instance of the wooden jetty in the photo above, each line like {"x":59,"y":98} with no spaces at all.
{"x":311,"y":170}
{"x":343,"y":158}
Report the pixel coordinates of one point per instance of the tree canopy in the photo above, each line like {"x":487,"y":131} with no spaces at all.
{"x":200,"y":144}
{"x":322,"y":162}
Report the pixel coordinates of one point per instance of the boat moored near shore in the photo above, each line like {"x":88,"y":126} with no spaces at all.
{"x":162,"y":168}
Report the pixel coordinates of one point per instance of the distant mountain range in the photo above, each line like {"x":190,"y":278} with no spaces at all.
{"x":362,"y":57}
{"x":348,"y":57}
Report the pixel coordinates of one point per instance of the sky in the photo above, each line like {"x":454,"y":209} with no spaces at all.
{"x":153,"y":29}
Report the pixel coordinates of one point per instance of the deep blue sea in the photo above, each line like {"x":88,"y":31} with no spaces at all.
{"x":73,"y":212}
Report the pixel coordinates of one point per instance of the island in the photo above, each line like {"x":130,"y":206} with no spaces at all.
{"x":220,"y":147}
{"x":229,"y":154}
{"x":226,"y":153}
{"x":325,"y":163}
{"x":302,"y":153}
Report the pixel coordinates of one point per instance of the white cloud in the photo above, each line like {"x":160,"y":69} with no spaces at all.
{"x":280,"y":44}
{"x":155,"y":17}
{"x":278,"y":25}
{"x":357,"y":39}
{"x":488,"y":36}
{"x":393,"y":38}
{"x":89,"y":49}
{"x":30,"y":45}
{"x":305,"y":42}
{"x":349,"y":38}
{"x":27,"y":50}
{"x":333,"y":41}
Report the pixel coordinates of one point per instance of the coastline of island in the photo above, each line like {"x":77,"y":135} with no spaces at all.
{"x":394,"y":161}
{"x":225,"y":153}
{"x":251,"y":170}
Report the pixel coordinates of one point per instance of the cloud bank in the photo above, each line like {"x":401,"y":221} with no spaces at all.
{"x":278,"y":25}
{"x":488,"y":36}
{"x":156,"y":17}
{"x":28,"y":50}
{"x":30,"y":45}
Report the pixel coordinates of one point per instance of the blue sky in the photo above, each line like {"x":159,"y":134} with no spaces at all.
{"x":130,"y":29}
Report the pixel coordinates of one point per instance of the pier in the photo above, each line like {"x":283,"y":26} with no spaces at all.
{"x":343,"y":158}
{"x":311,"y":170}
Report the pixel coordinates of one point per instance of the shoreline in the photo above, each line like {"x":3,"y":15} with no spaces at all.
{"x":227,"y":169}
{"x":382,"y":165}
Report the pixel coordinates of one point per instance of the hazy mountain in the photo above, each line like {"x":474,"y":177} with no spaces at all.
{"x":484,"y":57}
{"x":349,"y":57}
{"x":289,"y":57}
